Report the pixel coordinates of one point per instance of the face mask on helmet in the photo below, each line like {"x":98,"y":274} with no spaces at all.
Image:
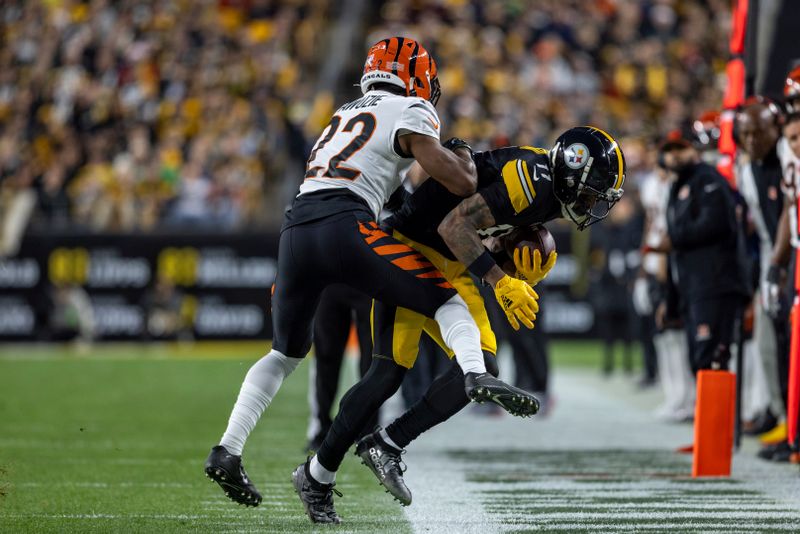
{"x":590,"y":206}
{"x":588,"y":170}
{"x":436,"y":91}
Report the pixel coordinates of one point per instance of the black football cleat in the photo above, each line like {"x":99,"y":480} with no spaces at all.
{"x":385,"y":463}
{"x":484,"y":387}
{"x":317,"y":498}
{"x":226,"y":470}
{"x":776,"y":452}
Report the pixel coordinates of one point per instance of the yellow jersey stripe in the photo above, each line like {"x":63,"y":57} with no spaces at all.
{"x":537,"y":150}
{"x":621,"y":176}
{"x":525,"y":179}
{"x":518,"y":191}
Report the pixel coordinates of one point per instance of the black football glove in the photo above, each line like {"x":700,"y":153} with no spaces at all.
{"x":455,"y":142}
{"x":772,"y":291}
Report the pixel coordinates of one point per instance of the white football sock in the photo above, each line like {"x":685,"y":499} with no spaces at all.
{"x":262,"y":382}
{"x":386,"y":439}
{"x":319,"y":473}
{"x":461,"y":334}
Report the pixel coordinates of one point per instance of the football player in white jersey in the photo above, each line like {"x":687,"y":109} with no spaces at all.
{"x":788,"y":236}
{"x":330,"y":235}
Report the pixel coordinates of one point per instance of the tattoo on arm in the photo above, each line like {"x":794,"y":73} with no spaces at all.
{"x":459,"y":229}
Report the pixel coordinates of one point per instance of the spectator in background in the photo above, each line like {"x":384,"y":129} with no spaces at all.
{"x":706,"y":285}
{"x":231,"y":86}
{"x":615,"y":261}
{"x":17,"y":202}
{"x":759,"y":176}
{"x":529,"y":349}
{"x":71,"y":316}
{"x":169,"y":312}
{"x":524,"y":70}
{"x":122,"y":95}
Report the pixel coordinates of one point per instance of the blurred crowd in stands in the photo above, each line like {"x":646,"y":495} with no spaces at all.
{"x":515,"y":72}
{"x":132,"y":115}
{"x":140,"y":115}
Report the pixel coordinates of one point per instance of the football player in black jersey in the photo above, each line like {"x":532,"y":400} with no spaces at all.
{"x":580,"y":178}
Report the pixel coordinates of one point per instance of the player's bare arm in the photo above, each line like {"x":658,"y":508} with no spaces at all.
{"x":453,"y":169}
{"x":459,"y":229}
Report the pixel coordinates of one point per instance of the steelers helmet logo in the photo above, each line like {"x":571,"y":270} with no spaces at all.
{"x":576,"y":155}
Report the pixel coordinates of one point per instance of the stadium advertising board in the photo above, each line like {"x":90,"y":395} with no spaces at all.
{"x":184,"y":286}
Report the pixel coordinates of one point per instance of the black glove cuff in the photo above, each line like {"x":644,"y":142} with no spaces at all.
{"x":482,"y":265}
{"x":774,"y":274}
{"x":454,"y":143}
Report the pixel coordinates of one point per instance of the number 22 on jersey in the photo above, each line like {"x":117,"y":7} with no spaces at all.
{"x":334,"y":167}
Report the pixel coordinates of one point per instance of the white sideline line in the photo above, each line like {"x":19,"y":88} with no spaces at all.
{"x":456,"y":493}
{"x":663,"y":527}
{"x":679,"y":505}
{"x":652,"y":516}
{"x":442,"y":499}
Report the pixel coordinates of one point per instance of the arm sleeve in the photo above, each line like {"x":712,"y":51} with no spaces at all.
{"x":711,"y":223}
{"x":419,"y":117}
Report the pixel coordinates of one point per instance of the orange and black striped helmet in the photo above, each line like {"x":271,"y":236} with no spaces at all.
{"x":791,"y":89}
{"x":405,"y":63}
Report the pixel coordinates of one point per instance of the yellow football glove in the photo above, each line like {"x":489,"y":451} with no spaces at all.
{"x":529,"y":266}
{"x":518,"y":300}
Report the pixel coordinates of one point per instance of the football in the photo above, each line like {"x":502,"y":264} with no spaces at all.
{"x":537,"y":237}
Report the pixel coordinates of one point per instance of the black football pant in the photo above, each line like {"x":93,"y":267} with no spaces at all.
{"x":783,"y":331}
{"x":710,"y":325}
{"x":346,"y":248}
{"x":338,"y":308}
{"x":430,"y":363}
{"x":445,"y":397}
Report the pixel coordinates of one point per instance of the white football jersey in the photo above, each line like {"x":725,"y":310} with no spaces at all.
{"x":357,"y":150}
{"x":790,"y":184}
{"x":654,"y":196}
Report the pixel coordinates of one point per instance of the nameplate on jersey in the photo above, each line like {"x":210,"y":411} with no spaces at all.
{"x":496,"y":231}
{"x":366,"y":101}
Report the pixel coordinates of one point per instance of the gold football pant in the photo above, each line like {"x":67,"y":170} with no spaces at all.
{"x":397,"y":331}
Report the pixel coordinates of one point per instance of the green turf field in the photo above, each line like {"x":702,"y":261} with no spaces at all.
{"x":89,"y":445}
{"x":114,"y":439}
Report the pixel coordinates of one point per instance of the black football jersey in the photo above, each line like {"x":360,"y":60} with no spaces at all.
{"x":515,"y":182}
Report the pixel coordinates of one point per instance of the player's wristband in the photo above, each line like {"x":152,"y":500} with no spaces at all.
{"x":482,"y":264}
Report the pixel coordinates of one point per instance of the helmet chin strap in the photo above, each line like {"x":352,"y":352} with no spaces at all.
{"x":568,"y":213}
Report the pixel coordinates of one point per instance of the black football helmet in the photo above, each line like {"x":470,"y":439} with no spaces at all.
{"x":588,"y":171}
